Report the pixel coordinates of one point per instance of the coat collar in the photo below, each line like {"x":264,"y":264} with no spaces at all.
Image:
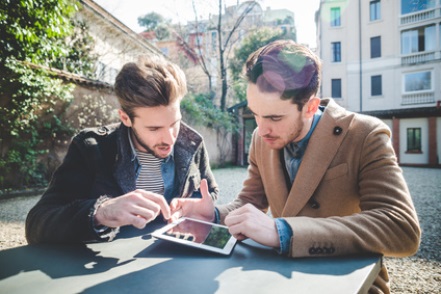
{"x":323,"y":146}
{"x":185,"y":146}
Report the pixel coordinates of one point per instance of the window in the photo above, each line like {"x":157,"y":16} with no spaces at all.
{"x":418,"y":81}
{"x":213,"y":41}
{"x":414,"y":6}
{"x":335,"y":17}
{"x":336,"y":88}
{"x":336,"y":51}
{"x":376,"y":86}
{"x":418,"y":39}
{"x":375,"y":10}
{"x":375,"y":47}
{"x":165,"y":51}
{"x":414,"y":140}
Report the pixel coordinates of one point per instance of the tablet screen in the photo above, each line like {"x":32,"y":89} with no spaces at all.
{"x":200,"y":234}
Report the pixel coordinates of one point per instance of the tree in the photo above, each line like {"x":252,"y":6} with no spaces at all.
{"x":223,"y":45}
{"x":151,"y":21}
{"x":249,"y":44}
{"x":154,"y":22}
{"x":33,"y":39}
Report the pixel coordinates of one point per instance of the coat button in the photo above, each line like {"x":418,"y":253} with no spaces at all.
{"x":337,"y":131}
{"x":313,"y":203}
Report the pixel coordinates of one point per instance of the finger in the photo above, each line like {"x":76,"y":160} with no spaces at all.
{"x":139,"y":222}
{"x":236,"y":231}
{"x":175,"y":205}
{"x":149,"y":212}
{"x":160,"y":200}
{"x":176,"y":215}
{"x":240,"y":237}
{"x":173,"y":218}
{"x":204,"y":190}
{"x":229,"y":221}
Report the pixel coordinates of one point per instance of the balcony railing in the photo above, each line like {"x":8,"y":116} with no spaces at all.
{"x":418,"y":98}
{"x":419,"y":57}
{"x":420,"y":16}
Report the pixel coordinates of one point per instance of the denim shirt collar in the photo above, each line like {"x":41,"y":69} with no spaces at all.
{"x":297,"y":149}
{"x":127,"y":164}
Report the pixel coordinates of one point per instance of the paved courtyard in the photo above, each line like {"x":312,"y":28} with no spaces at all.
{"x":417,"y":274}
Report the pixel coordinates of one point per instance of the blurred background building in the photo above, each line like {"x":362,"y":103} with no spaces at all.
{"x":383,"y":58}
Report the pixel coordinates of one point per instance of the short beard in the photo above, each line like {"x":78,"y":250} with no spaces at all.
{"x":145,"y":146}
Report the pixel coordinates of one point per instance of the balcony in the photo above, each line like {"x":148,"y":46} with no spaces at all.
{"x":418,"y":98}
{"x":420,"y":57}
{"x":420,"y":16}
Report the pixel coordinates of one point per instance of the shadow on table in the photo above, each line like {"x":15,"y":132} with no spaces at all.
{"x":196,"y":271}
{"x":55,"y":261}
{"x":61,"y":260}
{"x":174,"y":267}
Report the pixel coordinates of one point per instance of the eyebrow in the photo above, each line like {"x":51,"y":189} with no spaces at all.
{"x":267,"y":116}
{"x":158,"y":127}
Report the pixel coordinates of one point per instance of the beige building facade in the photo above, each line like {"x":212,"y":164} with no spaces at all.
{"x":383,"y":58}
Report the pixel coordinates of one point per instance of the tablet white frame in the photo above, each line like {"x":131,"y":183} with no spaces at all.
{"x":226,"y":250}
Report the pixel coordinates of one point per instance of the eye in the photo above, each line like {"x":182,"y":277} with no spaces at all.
{"x":275,"y":118}
{"x":153,"y":129}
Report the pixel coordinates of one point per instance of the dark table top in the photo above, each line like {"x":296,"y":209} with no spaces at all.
{"x":137,"y":263}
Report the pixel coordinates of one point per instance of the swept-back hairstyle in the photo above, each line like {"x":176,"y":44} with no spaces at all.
{"x":152,"y":81}
{"x":285,"y":67}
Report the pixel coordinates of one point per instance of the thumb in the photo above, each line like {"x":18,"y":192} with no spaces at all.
{"x":204,"y":190}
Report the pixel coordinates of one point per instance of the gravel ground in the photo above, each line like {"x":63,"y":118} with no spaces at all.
{"x":416,"y":274}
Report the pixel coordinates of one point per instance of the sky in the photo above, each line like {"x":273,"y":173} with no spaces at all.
{"x":128,"y":11}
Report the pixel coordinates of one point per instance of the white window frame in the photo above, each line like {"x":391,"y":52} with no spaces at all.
{"x":417,"y":91}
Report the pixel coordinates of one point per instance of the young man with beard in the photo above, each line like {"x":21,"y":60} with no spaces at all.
{"x":126,"y":173}
{"x":328,"y":176}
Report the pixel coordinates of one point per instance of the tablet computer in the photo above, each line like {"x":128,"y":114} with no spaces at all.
{"x":199,"y":234}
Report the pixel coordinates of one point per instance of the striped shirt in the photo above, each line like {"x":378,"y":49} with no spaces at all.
{"x":150,"y":175}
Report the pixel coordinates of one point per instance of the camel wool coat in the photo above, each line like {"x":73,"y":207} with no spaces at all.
{"x":349,"y":195}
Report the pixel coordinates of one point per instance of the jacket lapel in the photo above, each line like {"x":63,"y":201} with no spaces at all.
{"x":322,"y":147}
{"x":124,"y":172}
{"x":275,"y":173}
{"x":184,"y":149}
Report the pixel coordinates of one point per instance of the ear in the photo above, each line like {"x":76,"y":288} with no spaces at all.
{"x":311,"y":106}
{"x":124,"y":117}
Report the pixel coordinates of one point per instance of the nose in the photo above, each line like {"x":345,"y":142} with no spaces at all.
{"x":169,"y":136}
{"x":263,"y":129}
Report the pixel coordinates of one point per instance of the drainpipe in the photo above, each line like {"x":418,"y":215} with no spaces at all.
{"x":360,"y":53}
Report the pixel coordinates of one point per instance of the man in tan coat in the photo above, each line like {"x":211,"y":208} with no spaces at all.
{"x":328,"y":176}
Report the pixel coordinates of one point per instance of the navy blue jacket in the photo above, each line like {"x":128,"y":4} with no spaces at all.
{"x":98,"y":162}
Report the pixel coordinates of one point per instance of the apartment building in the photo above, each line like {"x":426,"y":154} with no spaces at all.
{"x":383,"y":58}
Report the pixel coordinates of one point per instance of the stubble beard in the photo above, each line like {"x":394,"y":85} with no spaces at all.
{"x":146,"y":147}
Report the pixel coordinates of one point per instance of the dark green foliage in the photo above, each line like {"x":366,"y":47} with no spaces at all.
{"x":250,"y":44}
{"x":154,"y":22}
{"x":33,"y":38}
{"x":199,"y":109}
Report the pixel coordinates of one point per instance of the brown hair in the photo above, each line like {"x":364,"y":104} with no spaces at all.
{"x":152,"y":81}
{"x":286,"y":67}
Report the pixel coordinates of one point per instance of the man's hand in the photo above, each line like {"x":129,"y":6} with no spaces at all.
{"x":136,"y":208}
{"x":201,"y":208}
{"x":249,"y":222}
